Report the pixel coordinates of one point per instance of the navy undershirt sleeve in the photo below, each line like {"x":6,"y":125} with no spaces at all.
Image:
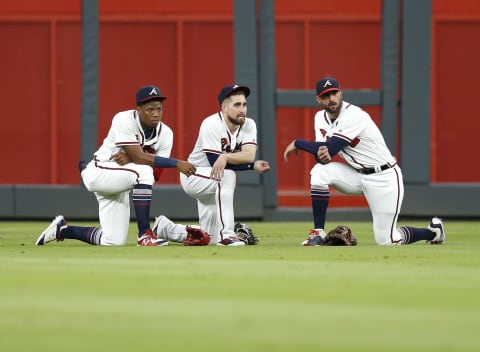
{"x":212,"y":157}
{"x":307,"y":146}
{"x":334,"y":145}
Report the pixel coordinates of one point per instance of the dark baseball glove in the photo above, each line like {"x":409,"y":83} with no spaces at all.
{"x":245,"y":233}
{"x":340,"y":236}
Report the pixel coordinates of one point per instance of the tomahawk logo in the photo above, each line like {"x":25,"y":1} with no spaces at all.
{"x":153,"y":92}
{"x":327,"y":83}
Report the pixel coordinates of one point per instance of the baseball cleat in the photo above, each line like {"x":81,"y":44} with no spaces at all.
{"x":196,"y":237}
{"x":149,"y":239}
{"x":232,"y":241}
{"x":315,"y":238}
{"x":52,"y":232}
{"x":436,"y":226}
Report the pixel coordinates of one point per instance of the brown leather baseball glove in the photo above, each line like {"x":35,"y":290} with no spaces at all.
{"x":196,"y":237}
{"x":340,"y":236}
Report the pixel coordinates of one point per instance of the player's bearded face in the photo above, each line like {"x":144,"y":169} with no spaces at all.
{"x":235,"y":109}
{"x":331,"y":101}
{"x":150,"y":114}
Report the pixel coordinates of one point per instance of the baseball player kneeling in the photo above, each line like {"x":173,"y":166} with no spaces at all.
{"x":370,"y":169}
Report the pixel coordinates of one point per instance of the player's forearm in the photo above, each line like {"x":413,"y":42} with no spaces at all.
{"x":245,"y":156}
{"x":334,"y":145}
{"x":242,"y":157}
{"x":143,"y":158}
{"x":308,"y":146}
{"x":136,"y":155}
{"x":212,"y":158}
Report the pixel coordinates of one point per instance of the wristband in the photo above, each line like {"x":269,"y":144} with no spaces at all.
{"x":164,"y":162}
{"x":240,"y":167}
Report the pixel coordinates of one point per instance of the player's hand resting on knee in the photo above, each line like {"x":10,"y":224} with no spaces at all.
{"x":121,"y":158}
{"x":186,"y":168}
{"x":218,"y":167}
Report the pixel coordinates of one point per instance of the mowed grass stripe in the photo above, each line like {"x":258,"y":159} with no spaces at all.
{"x":276,"y":296}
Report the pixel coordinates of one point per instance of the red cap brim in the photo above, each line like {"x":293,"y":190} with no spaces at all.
{"x":328,"y":90}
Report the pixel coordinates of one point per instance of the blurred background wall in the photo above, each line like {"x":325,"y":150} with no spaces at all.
{"x":187,"y":48}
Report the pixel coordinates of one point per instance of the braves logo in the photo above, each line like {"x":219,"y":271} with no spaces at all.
{"x":226,"y":147}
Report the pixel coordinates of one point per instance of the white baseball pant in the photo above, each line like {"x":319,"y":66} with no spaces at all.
{"x":111,"y":183}
{"x":214,"y":201}
{"x":383,"y":192}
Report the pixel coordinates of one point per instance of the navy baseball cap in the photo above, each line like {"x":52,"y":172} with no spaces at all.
{"x":230,"y":89}
{"x":326,"y":85}
{"x":147,"y":93}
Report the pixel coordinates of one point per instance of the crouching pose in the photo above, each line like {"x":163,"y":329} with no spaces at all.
{"x":129,"y":161}
{"x":370,"y":169}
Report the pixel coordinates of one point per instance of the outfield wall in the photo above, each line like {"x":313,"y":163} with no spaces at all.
{"x":43,"y":202}
{"x":190,"y":54}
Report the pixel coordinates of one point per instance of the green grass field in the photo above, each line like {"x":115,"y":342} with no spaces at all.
{"x":277,"y":296}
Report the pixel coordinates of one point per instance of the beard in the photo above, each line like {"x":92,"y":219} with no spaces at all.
{"x":334,"y":108}
{"x":238,"y":120}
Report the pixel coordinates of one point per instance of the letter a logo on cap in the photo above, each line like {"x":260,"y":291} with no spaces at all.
{"x":327,"y":83}
{"x":153,"y":92}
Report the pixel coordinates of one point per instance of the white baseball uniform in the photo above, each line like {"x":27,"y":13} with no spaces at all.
{"x":382,"y":187}
{"x":112,"y":182}
{"x":215,"y":198}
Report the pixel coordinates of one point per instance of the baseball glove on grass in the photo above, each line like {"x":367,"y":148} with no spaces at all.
{"x":245,"y":233}
{"x":340,"y":236}
{"x":196,"y":237}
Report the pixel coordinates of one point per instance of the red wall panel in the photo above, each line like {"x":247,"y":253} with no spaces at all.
{"x":198,"y":8}
{"x":36,"y":7}
{"x":329,"y":9}
{"x":456,"y":125}
{"x":25,"y":92}
{"x":133,"y":55}
{"x":207,"y":66}
{"x":67,"y":103}
{"x":186,"y":48}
